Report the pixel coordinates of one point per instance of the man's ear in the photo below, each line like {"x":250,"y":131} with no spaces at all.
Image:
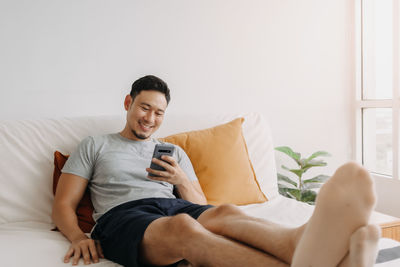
{"x":127,"y":102}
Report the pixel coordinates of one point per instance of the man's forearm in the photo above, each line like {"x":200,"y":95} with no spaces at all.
{"x":67,"y":222}
{"x":187,"y":191}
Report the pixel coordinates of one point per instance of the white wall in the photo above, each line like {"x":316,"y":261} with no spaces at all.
{"x":291,"y":60}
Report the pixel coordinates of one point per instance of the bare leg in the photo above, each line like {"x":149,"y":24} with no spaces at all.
{"x":171,"y":239}
{"x":231,"y":222}
{"x":343,"y":205}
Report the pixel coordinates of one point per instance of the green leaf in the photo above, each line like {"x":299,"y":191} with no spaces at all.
{"x":288,"y":151}
{"x":308,"y":196}
{"x":303,"y":162}
{"x":319,"y":154}
{"x":290,"y":192}
{"x":311,"y":186}
{"x":283,"y":192}
{"x":317,"y":179}
{"x":282,"y":185}
{"x":286,"y":179}
{"x":285,"y":168}
{"x":298,"y":172}
{"x":314,"y":163}
{"x":292,"y":196}
{"x":295,"y":193}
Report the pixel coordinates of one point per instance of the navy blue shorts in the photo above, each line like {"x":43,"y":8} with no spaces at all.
{"x":121,"y":229}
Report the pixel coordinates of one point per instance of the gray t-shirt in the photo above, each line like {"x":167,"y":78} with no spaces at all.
{"x":116,"y":169}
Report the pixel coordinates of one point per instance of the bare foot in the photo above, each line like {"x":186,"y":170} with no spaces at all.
{"x":343,"y":205}
{"x":363,"y":247}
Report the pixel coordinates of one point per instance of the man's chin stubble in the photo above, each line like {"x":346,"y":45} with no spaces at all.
{"x":141,"y":137}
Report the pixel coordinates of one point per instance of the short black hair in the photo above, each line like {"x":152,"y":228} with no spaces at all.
{"x":150,"y":82}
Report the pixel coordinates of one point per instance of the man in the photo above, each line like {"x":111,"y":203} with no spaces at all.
{"x":139,"y":222}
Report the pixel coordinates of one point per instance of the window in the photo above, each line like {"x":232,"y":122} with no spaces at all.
{"x":378,"y":102}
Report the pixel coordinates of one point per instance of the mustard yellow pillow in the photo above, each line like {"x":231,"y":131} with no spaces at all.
{"x":221,"y":162}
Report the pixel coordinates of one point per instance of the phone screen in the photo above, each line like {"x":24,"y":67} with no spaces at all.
{"x":159,"y":150}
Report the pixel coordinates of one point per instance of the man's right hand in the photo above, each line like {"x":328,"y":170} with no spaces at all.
{"x":89,"y":249}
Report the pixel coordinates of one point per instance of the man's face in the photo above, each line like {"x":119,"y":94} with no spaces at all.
{"x":145,"y":114}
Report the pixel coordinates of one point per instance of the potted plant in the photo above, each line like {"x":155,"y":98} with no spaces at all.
{"x":301,"y":189}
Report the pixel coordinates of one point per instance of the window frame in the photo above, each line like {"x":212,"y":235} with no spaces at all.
{"x":393,"y":103}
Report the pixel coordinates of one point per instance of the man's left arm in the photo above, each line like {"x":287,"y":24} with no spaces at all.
{"x":192,"y":192}
{"x":173,"y":174}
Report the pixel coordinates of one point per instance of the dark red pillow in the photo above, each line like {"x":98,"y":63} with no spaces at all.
{"x":85,"y":207}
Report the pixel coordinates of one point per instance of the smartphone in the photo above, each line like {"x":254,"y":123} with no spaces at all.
{"x":159,"y":150}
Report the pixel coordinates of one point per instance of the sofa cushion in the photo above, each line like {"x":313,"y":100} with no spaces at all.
{"x":27,"y":161}
{"x":221,"y":162}
{"x":33,"y":244}
{"x":256,"y":132}
{"x":85,"y":208}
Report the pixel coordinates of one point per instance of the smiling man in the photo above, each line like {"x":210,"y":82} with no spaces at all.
{"x":140,"y":222}
{"x":145,"y":115}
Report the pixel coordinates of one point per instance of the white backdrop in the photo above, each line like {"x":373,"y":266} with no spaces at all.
{"x":292,"y":61}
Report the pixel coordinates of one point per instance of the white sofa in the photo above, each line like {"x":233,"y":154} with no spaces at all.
{"x":26,"y":170}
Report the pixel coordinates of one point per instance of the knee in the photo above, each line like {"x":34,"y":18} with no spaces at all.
{"x":227,"y":210}
{"x":184,"y":225}
{"x":216,"y":218}
{"x":222,"y":212}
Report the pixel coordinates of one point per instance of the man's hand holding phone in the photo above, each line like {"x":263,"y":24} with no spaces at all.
{"x":164,"y":167}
